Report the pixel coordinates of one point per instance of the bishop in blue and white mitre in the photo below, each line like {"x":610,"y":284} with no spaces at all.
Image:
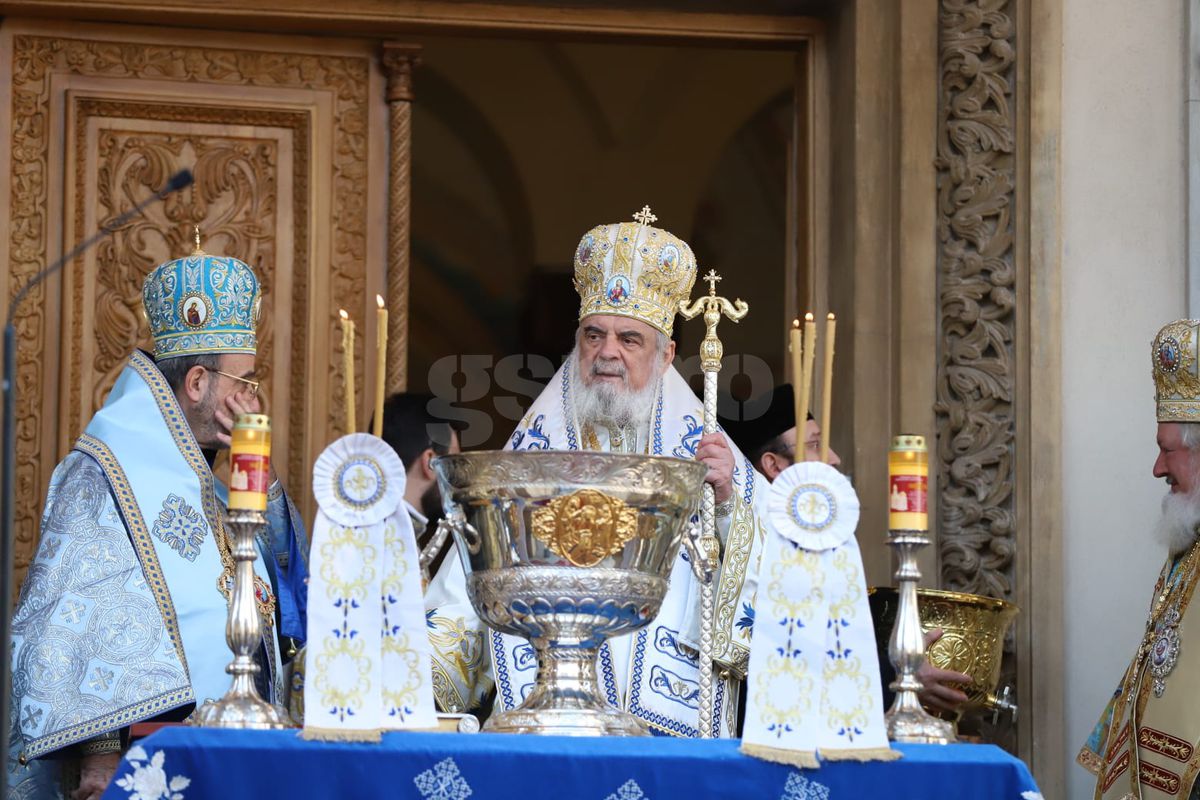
{"x":619,"y":392}
{"x":121,"y":618}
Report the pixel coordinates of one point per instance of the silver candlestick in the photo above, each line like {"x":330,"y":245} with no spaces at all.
{"x":907,"y":721}
{"x":241,"y":707}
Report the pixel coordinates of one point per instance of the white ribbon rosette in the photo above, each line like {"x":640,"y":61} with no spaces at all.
{"x":813,"y":686}
{"x":367,"y":666}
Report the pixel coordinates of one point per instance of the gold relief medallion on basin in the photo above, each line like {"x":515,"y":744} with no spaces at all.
{"x":585,"y":527}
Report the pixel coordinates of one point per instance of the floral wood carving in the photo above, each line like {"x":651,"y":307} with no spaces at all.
{"x":233,"y":200}
{"x":233,"y":203}
{"x":36,"y":62}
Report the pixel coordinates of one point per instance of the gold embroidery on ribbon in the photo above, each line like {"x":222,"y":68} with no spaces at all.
{"x":1121,"y":738}
{"x":1089,"y":761}
{"x":1115,"y":772}
{"x":396,"y":641}
{"x":1165,"y":743}
{"x":585,"y":527}
{"x":782,"y":669}
{"x":1162,"y":779}
{"x":747,"y":537}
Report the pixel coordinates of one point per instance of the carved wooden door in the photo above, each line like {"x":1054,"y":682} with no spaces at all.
{"x":280,"y":139}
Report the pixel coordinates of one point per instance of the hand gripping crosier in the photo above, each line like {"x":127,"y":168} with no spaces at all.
{"x":703,"y":549}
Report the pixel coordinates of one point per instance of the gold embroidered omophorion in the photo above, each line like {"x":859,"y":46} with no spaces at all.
{"x":1145,"y":743}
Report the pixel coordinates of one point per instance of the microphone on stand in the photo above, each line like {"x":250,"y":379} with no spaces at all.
{"x":179,"y":180}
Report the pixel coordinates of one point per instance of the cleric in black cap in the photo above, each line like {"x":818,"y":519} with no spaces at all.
{"x":768,"y":435}
{"x":768,"y":438}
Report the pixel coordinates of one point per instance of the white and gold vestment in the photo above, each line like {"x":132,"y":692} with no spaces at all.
{"x":1145,"y":746}
{"x":640,"y":272}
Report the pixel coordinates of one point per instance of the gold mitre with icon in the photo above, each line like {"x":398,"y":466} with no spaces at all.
{"x":202,"y":304}
{"x":633,"y":270}
{"x":1176,"y":367}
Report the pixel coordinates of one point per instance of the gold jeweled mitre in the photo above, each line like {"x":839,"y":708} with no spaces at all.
{"x":633,"y":270}
{"x":1176,"y":369}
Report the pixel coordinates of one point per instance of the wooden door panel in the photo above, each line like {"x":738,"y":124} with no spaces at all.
{"x":280,"y":143}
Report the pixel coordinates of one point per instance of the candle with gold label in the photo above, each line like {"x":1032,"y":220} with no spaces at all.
{"x":908,"y":484}
{"x":250,"y":462}
{"x":348,"y":369}
{"x":380,"y":364}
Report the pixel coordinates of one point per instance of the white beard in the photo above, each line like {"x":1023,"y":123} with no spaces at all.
{"x":602,"y":403}
{"x":1176,"y":528}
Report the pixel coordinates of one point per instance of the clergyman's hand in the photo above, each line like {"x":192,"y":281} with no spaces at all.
{"x":95,"y":773}
{"x":235,"y":406}
{"x":936,"y":694}
{"x":716,"y":455}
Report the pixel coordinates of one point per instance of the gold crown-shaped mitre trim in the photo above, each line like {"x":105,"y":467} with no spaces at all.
{"x":630,"y":269}
{"x":1176,"y":368}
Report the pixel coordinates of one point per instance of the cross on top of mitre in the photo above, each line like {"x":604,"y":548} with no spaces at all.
{"x":645,"y":216}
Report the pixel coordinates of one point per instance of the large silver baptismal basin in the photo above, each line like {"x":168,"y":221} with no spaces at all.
{"x":566,"y":549}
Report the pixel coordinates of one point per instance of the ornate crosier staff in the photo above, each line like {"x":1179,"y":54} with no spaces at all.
{"x":710,"y":362}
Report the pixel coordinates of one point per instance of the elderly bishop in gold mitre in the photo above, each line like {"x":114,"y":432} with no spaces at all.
{"x":1145,"y":744}
{"x":619,"y":392}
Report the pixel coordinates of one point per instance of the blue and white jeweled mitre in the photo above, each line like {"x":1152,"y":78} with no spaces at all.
{"x":202,"y":304}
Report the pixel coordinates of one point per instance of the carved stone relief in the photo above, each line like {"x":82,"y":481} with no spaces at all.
{"x":976,"y":415}
{"x":234,"y":199}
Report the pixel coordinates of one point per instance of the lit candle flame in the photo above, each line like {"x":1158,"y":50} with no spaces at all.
{"x":809,"y":317}
{"x":379,"y":300}
{"x":342,"y":313}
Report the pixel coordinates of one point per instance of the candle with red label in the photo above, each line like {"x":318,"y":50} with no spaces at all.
{"x":908,"y":484}
{"x":250,"y":462}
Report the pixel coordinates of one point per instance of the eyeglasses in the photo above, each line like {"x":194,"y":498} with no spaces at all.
{"x":252,"y":385}
{"x":789,"y":450}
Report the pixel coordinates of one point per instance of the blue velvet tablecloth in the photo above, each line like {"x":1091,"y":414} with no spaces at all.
{"x":195,"y":763}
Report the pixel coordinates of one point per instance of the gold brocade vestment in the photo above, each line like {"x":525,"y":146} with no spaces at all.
{"x":1145,"y":745}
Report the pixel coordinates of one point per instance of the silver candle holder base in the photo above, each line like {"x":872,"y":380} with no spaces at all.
{"x":241,"y":707}
{"x":907,"y":721}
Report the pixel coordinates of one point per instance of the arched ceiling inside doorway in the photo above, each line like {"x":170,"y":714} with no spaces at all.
{"x":594,"y":127}
{"x":521,"y":147}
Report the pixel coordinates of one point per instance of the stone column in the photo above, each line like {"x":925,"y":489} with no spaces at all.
{"x":399,"y":61}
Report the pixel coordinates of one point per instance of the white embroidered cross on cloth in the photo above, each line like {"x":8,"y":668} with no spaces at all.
{"x":367,"y":667}
{"x":813,"y":686}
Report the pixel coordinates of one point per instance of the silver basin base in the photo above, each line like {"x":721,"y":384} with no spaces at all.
{"x":564,"y":720}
